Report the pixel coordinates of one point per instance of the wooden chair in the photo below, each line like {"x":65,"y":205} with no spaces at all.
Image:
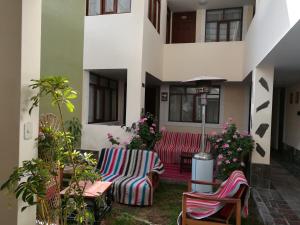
{"x":232,"y":206}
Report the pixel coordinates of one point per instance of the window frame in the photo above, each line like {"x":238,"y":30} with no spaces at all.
{"x":224,"y":21}
{"x":97,"y":87}
{"x":156,"y":18}
{"x":102,"y":8}
{"x":194,"y":104}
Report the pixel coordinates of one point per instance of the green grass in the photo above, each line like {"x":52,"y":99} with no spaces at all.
{"x":165,"y":209}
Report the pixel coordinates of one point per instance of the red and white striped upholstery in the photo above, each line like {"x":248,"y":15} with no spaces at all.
{"x":173,"y":144}
{"x":199,"y":209}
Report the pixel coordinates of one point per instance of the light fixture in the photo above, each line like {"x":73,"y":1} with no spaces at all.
{"x":202,"y":2}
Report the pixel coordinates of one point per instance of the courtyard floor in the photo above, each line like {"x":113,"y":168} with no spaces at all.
{"x":166,"y":207}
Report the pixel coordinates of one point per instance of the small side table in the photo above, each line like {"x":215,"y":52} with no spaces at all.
{"x":186,"y":161}
{"x":91,"y":195}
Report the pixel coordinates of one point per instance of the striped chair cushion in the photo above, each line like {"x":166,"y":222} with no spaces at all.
{"x":128,"y":170}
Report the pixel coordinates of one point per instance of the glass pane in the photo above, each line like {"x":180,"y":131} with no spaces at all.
{"x":187,"y":108}
{"x":124,"y":6}
{"x":99,"y":109}
{"x":223,"y":32}
{"x":114,"y":105}
{"x":104,"y":82}
{"x":91,"y":103}
{"x":212,"y":110}
{"x":233,"y":14}
{"x":175,"y":105}
{"x":198,"y":110}
{"x":107,"y":110}
{"x":191,"y":90}
{"x":94,"y":7}
{"x":93,"y":79}
{"x":211,"y":32}
{"x":109,"y":6}
{"x":214,"y":15}
{"x":235,"y":31}
{"x":177,"y":90}
{"x":214,"y":90}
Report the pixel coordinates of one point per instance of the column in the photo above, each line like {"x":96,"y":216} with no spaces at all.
{"x":261,"y":119}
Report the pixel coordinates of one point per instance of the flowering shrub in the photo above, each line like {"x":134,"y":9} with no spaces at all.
{"x":145,"y":134}
{"x":230,"y":149}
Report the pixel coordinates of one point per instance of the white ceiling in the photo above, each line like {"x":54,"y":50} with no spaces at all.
{"x":192,"y":5}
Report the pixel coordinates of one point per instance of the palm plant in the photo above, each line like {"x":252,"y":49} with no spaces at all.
{"x":30,"y":182}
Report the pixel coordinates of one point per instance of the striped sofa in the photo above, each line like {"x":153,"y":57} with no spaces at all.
{"x":173,"y":144}
{"x":131,"y":171}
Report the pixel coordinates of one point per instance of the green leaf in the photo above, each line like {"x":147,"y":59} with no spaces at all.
{"x":70,"y":106}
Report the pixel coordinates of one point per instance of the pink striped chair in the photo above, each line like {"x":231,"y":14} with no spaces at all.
{"x":216,"y":208}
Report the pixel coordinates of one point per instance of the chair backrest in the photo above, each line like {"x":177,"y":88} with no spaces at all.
{"x":232,"y":185}
{"x":119,"y":161}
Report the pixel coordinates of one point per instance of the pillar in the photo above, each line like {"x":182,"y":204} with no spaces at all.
{"x":261,"y":119}
{"x":20,"y":41}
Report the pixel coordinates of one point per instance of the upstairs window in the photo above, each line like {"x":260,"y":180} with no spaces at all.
{"x":103,"y":99}
{"x":99,"y":7}
{"x":224,"y":25}
{"x":185,"y":105}
{"x":154,"y":13}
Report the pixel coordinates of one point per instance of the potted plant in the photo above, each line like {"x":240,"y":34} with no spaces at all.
{"x":145,"y":134}
{"x":36,"y":180}
{"x":230,"y":149}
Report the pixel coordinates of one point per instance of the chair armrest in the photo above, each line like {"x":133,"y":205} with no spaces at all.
{"x":210,"y":198}
{"x":190,"y":182}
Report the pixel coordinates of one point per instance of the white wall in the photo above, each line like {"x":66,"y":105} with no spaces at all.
{"x":20,"y":41}
{"x":292,"y":120}
{"x":221,"y":59}
{"x":272,"y":20}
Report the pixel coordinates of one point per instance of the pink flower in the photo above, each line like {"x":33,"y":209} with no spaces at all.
{"x":223,"y":131}
{"x":219,"y":163}
{"x":126,"y":143}
{"x":229,"y":152}
{"x":163,"y":129}
{"x":216,"y":146}
{"x":153,"y":125}
{"x":152,"y":130}
{"x":227,"y":161}
{"x":225,"y":126}
{"x":220,"y":157}
{"x":109,"y":135}
{"x":235,"y":160}
{"x":235,"y":136}
{"x":239,"y":149}
{"x":225,"y":145}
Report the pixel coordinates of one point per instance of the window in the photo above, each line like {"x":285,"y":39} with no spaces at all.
{"x":224,"y":25}
{"x":98,"y":7}
{"x":103,"y":99}
{"x":185,"y":105}
{"x":154,"y":13}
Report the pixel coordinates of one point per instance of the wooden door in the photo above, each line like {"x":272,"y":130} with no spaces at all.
{"x":184,"y":27}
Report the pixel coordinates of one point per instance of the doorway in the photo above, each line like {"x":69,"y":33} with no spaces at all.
{"x":184,"y":27}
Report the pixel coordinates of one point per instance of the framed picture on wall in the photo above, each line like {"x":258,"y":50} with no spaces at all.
{"x":291,"y":97}
{"x":164,"y":96}
{"x":297,"y":98}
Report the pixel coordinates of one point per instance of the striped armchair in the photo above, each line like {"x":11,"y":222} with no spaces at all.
{"x":132,"y":172}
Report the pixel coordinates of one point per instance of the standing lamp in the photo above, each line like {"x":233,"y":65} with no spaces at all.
{"x":202,"y":162}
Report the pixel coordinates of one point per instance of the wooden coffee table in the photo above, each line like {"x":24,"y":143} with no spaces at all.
{"x":92,"y":193}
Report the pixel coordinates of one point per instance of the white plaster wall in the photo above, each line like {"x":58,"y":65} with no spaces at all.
{"x":272,"y":20}
{"x":292,"y":120}
{"x":221,"y":59}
